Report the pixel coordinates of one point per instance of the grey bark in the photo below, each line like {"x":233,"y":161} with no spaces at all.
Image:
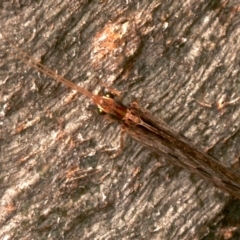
{"x":58,"y":181}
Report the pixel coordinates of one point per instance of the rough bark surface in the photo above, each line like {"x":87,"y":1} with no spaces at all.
{"x":179,"y":59}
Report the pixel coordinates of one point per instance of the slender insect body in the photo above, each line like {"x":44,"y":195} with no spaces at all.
{"x":153,"y":133}
{"x":161,"y":139}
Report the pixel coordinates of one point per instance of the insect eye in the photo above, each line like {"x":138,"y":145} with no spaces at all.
{"x":101,"y":111}
{"x":109,"y":95}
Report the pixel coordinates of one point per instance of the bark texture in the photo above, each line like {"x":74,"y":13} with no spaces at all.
{"x":178,"y":59}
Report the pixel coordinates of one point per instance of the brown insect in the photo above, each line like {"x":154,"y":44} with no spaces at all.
{"x":153,"y":133}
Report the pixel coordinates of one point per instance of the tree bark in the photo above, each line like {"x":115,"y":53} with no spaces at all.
{"x":178,"y":59}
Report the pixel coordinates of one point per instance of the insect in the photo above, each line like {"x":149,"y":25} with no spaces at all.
{"x":153,"y":133}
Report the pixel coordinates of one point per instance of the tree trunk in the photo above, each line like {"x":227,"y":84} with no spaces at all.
{"x":178,"y":59}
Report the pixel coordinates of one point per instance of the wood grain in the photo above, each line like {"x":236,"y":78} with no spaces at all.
{"x":57,"y":178}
